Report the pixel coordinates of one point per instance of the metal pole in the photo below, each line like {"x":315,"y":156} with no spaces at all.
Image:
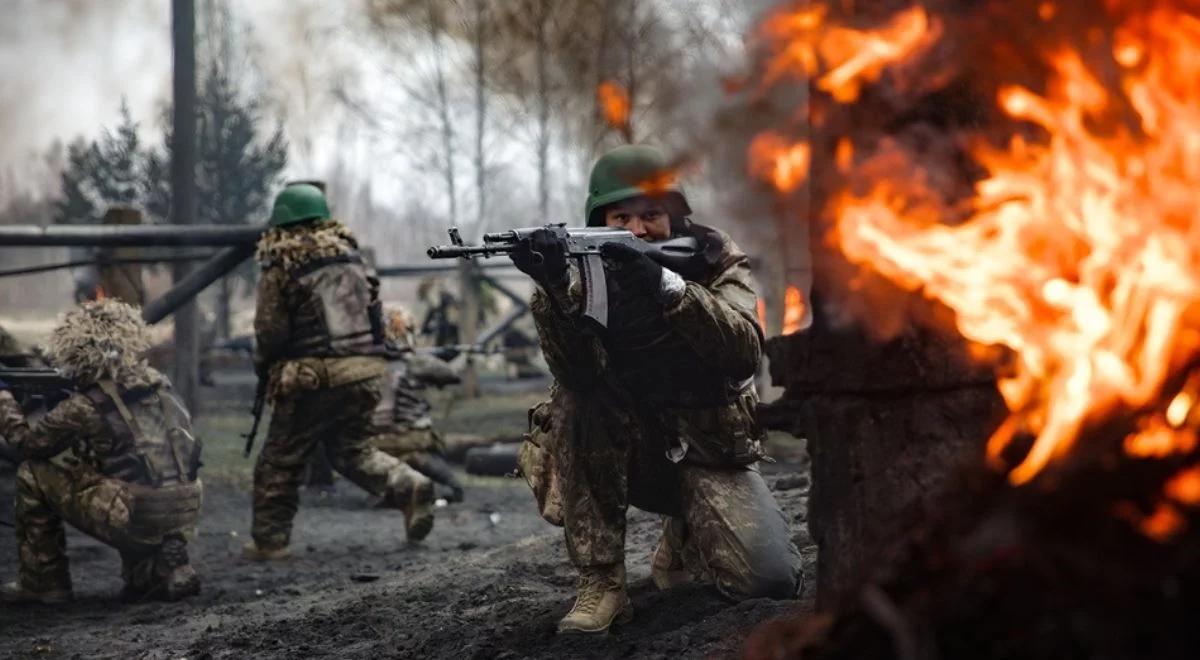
{"x":185,"y":290}
{"x":183,"y":190}
{"x":126,"y":236}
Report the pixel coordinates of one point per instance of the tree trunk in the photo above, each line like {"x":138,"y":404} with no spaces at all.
{"x":543,"y":116}
{"x":435,"y":36}
{"x":480,"y":116}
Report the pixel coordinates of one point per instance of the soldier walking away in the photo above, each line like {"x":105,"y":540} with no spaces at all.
{"x":403,"y":425}
{"x":115,"y":459}
{"x":319,"y":340}
{"x":657,"y":411}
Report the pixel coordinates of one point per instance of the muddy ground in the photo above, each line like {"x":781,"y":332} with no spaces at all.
{"x":491,"y":581}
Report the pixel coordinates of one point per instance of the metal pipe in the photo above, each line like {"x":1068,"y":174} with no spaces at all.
{"x":63,"y":265}
{"x":195,"y":282}
{"x":127,"y":235}
{"x":503,"y":324}
{"x":430,"y":269}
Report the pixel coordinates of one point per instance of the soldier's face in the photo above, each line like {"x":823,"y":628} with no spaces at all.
{"x":646,"y":218}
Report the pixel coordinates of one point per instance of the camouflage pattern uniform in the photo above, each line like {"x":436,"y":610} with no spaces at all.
{"x":402,"y":423}
{"x":661,"y":415}
{"x":116,"y":459}
{"x":315,"y":343}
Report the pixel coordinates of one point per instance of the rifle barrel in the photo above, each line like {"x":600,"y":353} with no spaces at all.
{"x":466,"y":251}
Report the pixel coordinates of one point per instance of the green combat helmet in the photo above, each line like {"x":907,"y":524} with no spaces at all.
{"x":632,"y":171}
{"x":299,"y":202}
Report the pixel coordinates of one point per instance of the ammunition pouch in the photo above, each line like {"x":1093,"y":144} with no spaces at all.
{"x":536,"y":462}
{"x":157,"y":512}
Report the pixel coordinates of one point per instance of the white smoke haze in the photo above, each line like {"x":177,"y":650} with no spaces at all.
{"x":351,"y":109}
{"x":64,"y":67}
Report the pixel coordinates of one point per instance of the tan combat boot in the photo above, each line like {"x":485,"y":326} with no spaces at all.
{"x":253,"y":552}
{"x":602,"y":601}
{"x":14,"y":593}
{"x":180,"y":580}
{"x":417,"y":504}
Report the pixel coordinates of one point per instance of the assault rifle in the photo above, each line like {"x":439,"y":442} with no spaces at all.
{"x":36,"y":387}
{"x":583,"y":244}
{"x":260,"y":401}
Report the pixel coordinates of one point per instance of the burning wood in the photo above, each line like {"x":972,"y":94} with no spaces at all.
{"x":1029,"y":169}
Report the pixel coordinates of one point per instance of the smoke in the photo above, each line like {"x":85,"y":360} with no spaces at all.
{"x":64,"y":67}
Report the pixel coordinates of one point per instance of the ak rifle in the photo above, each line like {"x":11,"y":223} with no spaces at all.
{"x":583,"y":244}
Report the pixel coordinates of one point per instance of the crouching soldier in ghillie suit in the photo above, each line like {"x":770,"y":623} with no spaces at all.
{"x":319,"y":339}
{"x":116,"y":459}
{"x":658,"y":411}
{"x":403,"y":426}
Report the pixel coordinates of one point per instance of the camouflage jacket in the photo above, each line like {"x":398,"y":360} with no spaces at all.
{"x":74,"y":429}
{"x":680,"y":376}
{"x":280,"y":252}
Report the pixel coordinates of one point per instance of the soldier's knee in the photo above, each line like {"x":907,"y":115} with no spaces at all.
{"x":773,"y":577}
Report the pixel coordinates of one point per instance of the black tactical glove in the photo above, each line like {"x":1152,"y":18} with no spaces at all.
{"x":542,"y":256}
{"x":640,"y":275}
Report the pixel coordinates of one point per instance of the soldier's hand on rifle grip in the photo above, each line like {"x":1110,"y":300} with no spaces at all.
{"x":542,"y":256}
{"x":638,"y":274}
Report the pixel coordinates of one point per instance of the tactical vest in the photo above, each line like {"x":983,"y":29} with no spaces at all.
{"x":402,"y":405}
{"x":151,"y":435}
{"x":335,"y":315}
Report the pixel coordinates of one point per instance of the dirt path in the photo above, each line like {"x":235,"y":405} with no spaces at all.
{"x":490,"y":582}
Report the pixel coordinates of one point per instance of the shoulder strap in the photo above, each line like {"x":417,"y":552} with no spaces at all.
{"x":318,"y":264}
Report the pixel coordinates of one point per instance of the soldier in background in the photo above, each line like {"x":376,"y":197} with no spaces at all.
{"x":403,"y":424}
{"x":116,"y":459}
{"x":319,"y":342}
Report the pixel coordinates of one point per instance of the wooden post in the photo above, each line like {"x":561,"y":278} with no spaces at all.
{"x":183,"y":190}
{"x":122,"y":281}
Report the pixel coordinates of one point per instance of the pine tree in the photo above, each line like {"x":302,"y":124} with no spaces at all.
{"x":102,"y":173}
{"x":76,"y":204}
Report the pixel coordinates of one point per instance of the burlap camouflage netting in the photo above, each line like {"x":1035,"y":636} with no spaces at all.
{"x":102,"y":339}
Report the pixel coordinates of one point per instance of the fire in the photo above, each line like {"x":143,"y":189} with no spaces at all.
{"x":776,"y":161}
{"x":1081,"y":254}
{"x":659,"y":184}
{"x":1076,"y":250}
{"x":100,"y":293}
{"x":803,"y":44}
{"x":614,"y":103}
{"x":793,"y":310}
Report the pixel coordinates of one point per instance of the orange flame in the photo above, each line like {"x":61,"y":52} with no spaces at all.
{"x":661,"y":183}
{"x":614,"y":103}
{"x":100,"y":294}
{"x":774,"y":160}
{"x":794,"y":310}
{"x":1082,"y":252}
{"x":803,"y":45}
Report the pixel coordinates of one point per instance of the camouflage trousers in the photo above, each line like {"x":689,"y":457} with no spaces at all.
{"x":422,"y":450}
{"x":338,"y":418}
{"x":724,"y":523}
{"x":49,"y":495}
